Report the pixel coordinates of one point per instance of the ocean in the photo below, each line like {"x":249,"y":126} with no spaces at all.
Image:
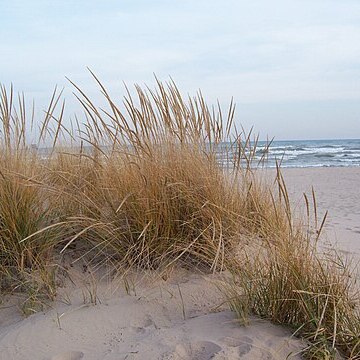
{"x":303,"y":153}
{"x":312,"y":153}
{"x":290,"y":153}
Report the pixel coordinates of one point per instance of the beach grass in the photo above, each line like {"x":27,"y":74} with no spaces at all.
{"x":288,"y":280}
{"x":141,"y":184}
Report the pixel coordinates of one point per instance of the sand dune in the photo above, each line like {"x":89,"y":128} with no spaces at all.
{"x":181,"y":318}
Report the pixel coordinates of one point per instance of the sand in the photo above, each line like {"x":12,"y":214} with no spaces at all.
{"x":338,"y":192}
{"x":179,"y":316}
{"x":182,"y":317}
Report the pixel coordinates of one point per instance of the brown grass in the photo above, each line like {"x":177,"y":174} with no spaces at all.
{"x":286,"y":279}
{"x":140,"y":185}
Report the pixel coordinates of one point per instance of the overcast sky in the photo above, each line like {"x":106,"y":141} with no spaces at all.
{"x":292,"y":66}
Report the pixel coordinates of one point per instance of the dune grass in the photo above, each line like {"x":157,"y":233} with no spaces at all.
{"x":286,"y":279}
{"x":26,"y":207}
{"x":142,"y":184}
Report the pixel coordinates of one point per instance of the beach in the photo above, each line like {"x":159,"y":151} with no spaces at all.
{"x":183,"y":317}
{"x":337,"y":191}
{"x":179,"y":315}
{"x":179,"y":180}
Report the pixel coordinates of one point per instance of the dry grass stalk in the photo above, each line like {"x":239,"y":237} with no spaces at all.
{"x":141,"y":184}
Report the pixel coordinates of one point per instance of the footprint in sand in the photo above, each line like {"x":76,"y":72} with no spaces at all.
{"x":69,"y":355}
{"x":200,"y":350}
{"x":245,"y":348}
{"x":249,"y":352}
{"x":238,"y":341}
{"x":243,"y":344}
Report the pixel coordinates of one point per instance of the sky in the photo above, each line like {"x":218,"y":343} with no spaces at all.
{"x":292,"y":66}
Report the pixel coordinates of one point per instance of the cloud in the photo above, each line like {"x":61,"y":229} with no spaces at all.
{"x":258,"y":51}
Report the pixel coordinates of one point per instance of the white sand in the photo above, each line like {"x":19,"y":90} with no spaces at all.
{"x":153,"y":322}
{"x":338,"y":192}
{"x":181,"y":318}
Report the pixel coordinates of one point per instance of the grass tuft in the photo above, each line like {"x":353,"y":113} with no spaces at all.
{"x":156,"y":180}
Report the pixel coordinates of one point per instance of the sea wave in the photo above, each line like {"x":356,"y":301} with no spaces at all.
{"x":312,"y":153}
